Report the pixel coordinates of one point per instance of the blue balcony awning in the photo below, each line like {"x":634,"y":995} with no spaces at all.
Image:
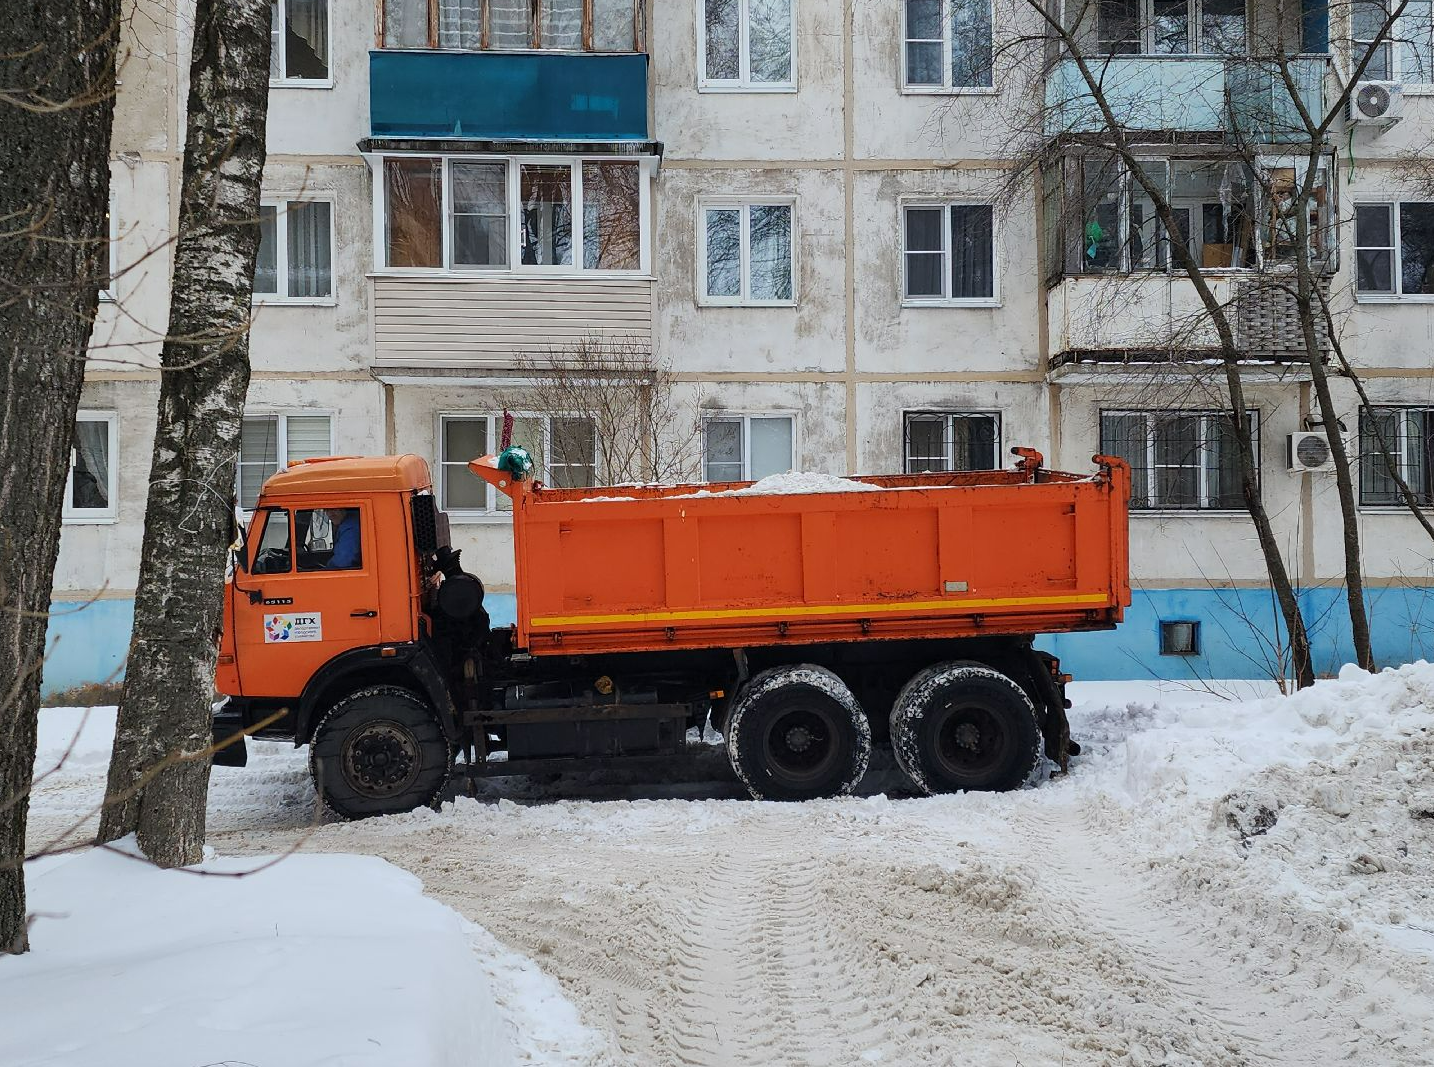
{"x":537,"y":96}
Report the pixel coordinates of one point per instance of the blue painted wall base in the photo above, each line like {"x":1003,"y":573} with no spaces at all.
{"x":88,"y":642}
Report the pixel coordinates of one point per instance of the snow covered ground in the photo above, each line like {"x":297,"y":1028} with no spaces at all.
{"x":1219,"y":881}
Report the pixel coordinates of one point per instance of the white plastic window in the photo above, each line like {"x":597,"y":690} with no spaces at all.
{"x":745,"y":253}
{"x":296,"y":252}
{"x":91,"y":485}
{"x":747,"y":44}
{"x":737,"y":448}
{"x":269,"y":443}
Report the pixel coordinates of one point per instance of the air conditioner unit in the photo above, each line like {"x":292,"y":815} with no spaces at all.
{"x":1309,"y":451}
{"x":1376,"y":103}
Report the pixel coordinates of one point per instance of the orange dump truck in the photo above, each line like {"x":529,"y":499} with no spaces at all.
{"x":804,"y":617}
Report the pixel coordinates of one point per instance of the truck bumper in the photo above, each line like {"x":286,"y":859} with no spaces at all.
{"x":228,"y":721}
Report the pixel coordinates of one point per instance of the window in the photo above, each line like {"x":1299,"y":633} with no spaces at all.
{"x":947,"y":45}
{"x":1180,"y":637}
{"x":92,"y":481}
{"x":949,"y":252}
{"x":272,"y":555}
{"x":331,"y":539}
{"x":1408,"y":435}
{"x":1171,"y":27}
{"x":1394,"y":249}
{"x":269,"y":443}
{"x":564,"y":451}
{"x":1101,"y":219}
{"x":747,"y":44}
{"x":745,"y":252}
{"x":951,"y":441}
{"x":745,"y":448}
{"x":296,"y":252}
{"x":108,"y":260}
{"x":1405,"y":53}
{"x":460,"y":214}
{"x":1179,"y":460}
{"x":473,"y":25}
{"x":299,"y":42}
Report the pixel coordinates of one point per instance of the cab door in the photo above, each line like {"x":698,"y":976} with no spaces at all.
{"x":293,"y":611}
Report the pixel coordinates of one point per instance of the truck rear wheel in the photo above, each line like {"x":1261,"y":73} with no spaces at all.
{"x":796,"y":733}
{"x":379,"y":751}
{"x":964,"y":726}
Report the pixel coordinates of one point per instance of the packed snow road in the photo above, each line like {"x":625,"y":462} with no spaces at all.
{"x":1217,"y":882}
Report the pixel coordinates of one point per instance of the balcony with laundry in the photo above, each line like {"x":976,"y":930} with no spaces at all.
{"x":1119,"y":278}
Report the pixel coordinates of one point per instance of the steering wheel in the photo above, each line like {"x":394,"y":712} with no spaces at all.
{"x":272,"y":561}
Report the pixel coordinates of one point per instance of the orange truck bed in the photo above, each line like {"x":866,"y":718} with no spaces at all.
{"x":640,"y":568}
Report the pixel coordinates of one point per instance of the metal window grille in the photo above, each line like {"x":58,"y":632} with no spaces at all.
{"x":1408,"y":436}
{"x":1179,"y":460}
{"x":951,"y":441}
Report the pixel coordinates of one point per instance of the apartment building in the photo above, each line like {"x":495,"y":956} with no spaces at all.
{"x":816,"y":213}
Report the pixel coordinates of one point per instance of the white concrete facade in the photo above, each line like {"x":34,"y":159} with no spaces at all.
{"x":848,"y":149}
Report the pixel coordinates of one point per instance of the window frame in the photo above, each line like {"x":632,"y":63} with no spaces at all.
{"x":743,"y":83}
{"x":1164,"y":510}
{"x":744,"y":204}
{"x":1396,"y":295}
{"x":280,"y":203}
{"x":286,"y":82}
{"x":994,"y":300}
{"x":639,"y":34}
{"x":1398,"y":41}
{"x":1194,"y":32}
{"x":106,"y":516}
{"x":1167,"y":646}
{"x":513,"y":178}
{"x":107,"y":294}
{"x":1072,"y":196}
{"x":1401,"y":453}
{"x":946,"y":88}
{"x":490,"y":512}
{"x":948,"y":439}
{"x":746,"y":417}
{"x":283,"y":415}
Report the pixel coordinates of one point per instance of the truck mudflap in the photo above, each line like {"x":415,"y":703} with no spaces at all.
{"x":229,"y":750}
{"x":1055,"y":724}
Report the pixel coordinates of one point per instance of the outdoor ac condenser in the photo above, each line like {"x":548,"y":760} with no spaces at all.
{"x":1309,"y":451}
{"x":1376,"y":104}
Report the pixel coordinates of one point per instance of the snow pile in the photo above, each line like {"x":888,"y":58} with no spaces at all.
{"x":797,"y":482}
{"x":313,"y":960}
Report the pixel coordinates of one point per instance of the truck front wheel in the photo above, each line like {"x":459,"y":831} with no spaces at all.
{"x":960,"y":726}
{"x":379,"y":751}
{"x":796,"y":733}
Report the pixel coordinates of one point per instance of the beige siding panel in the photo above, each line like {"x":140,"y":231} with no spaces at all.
{"x":488,"y":322}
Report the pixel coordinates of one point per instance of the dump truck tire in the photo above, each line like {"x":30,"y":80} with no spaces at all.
{"x":796,"y":733}
{"x":964,"y":726}
{"x":379,"y":751}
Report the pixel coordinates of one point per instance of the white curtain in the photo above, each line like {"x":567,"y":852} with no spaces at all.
{"x":460,"y":24}
{"x":310,"y":250}
{"x":562,"y":24}
{"x":91,"y":484}
{"x":307,"y":40}
{"x":510,"y":24}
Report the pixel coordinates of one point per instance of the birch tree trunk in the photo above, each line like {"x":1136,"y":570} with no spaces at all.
{"x":57,"y":80}
{"x":159,"y":772}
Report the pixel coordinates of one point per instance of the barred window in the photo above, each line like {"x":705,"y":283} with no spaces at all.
{"x":1408,"y":436}
{"x":1179,"y":460}
{"x":951,"y":441}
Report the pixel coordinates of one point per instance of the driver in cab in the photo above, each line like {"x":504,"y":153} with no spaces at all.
{"x":346,"y":555}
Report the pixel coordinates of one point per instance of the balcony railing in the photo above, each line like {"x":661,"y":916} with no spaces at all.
{"x":1244,"y":98}
{"x":543,"y":96}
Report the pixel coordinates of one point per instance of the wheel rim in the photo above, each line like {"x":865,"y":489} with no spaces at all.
{"x":971,"y":741}
{"x":800,"y":744}
{"x":380,"y":759}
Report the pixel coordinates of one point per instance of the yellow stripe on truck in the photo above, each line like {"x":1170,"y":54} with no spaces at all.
{"x":1078,"y":600}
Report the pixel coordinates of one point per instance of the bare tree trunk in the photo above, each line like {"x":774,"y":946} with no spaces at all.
{"x":1349,"y":513}
{"x":57,"y":70}
{"x":159,"y":773}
